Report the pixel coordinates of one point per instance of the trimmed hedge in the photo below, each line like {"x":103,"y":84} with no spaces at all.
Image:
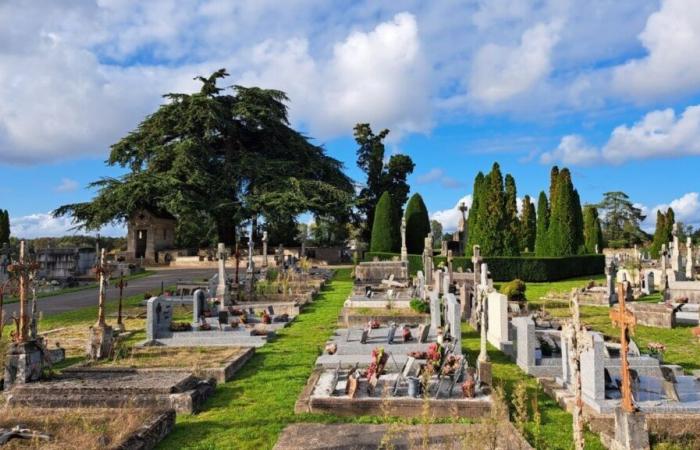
{"x":506,"y":268}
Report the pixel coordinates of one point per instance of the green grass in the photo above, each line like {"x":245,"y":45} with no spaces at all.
{"x":250,"y":411}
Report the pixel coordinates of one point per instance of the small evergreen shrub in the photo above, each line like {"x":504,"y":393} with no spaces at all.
{"x":419,"y":306}
{"x":514,"y":290}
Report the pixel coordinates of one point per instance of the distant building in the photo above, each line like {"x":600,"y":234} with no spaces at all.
{"x":148,"y":233}
{"x":65,"y":263}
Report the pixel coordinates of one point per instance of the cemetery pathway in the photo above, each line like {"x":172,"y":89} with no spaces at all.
{"x":56,"y":304}
{"x":250,"y":411}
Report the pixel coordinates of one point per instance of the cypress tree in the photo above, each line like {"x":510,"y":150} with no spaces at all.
{"x":475,"y":215}
{"x":670,"y":220}
{"x":511,"y":245}
{"x":593,"y":234}
{"x":528,"y":225}
{"x":494,"y":219}
{"x":417,"y":225}
{"x":578,"y":235}
{"x":553,"y":178}
{"x":4,"y":226}
{"x":542,"y":235}
{"x":659,"y":234}
{"x":563,"y":239}
{"x":383,"y":228}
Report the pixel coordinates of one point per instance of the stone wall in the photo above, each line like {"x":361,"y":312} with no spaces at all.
{"x":375,"y":271}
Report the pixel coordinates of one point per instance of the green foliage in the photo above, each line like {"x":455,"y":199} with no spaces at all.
{"x":475,"y":214}
{"x":511,"y":232}
{"x":663,"y":232}
{"x":621,"y":220}
{"x":419,"y":306}
{"x":565,"y":231}
{"x":542,"y":235}
{"x":227,"y":156}
{"x":528,"y":226}
{"x":417,"y":224}
{"x":384,"y":227}
{"x":494,"y":218}
{"x":436,"y":230}
{"x":553,"y":180}
{"x":506,"y":268}
{"x":593,"y":235}
{"x":4,"y":226}
{"x":514,"y":290}
{"x":390,"y":177}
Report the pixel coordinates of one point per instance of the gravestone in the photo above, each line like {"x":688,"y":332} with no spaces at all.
{"x":689,"y":264}
{"x":404,"y":249}
{"x":423,"y":331}
{"x":199,"y":304}
{"x":428,"y":260}
{"x":446,"y":283}
{"x":454,"y":317}
{"x":391,"y":333}
{"x":497,"y":328}
{"x":526,"y":342}
{"x":610,"y":279}
{"x":592,"y":367}
{"x":676,"y":250}
{"x":435,"y":320}
{"x":648,"y":283}
{"x":158,"y":318}
{"x":438,"y":276}
{"x":365,"y":336}
{"x":264,"y":249}
{"x":420,"y":288}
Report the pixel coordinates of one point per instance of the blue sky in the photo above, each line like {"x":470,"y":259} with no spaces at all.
{"x":608,"y":89}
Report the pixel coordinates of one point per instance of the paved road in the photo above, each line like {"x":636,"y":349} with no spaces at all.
{"x":88,"y":297}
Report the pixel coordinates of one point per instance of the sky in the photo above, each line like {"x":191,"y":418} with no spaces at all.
{"x":610,"y":89}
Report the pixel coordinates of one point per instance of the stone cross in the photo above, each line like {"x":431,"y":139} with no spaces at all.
{"x":481,"y":308}
{"x":101,"y":272}
{"x":625,"y":319}
{"x":264,"y":251}
{"x":476,"y":263}
{"x":428,"y":260}
{"x":251,"y":249}
{"x":676,"y":250}
{"x":579,"y":341}
{"x":22,"y":271}
{"x":222,"y":287}
{"x":404,"y":249}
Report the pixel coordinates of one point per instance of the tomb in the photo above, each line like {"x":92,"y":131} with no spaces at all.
{"x":149,"y":232}
{"x":537,"y":351}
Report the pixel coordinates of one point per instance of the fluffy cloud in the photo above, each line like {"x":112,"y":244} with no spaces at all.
{"x":501,"y":72}
{"x":449,"y":218}
{"x":45,"y":225}
{"x":670,"y":37}
{"x":67,"y":185}
{"x":660,"y":134}
{"x":686,"y":210}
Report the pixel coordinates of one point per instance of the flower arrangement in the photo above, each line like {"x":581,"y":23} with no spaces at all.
{"x":265,"y":318}
{"x":406,"y":332}
{"x":180,"y":326}
{"x":205,"y":327}
{"x":451,"y":365}
{"x":374,"y":324}
{"x":656,"y":350}
{"x":435,"y":354}
{"x":378,"y":362}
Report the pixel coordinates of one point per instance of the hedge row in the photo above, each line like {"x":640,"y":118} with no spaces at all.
{"x":506,"y":268}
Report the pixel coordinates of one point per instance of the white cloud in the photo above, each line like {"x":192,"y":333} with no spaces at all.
{"x":67,"y":185}
{"x":449,"y":218}
{"x":501,"y":72}
{"x":660,"y":134}
{"x":671,"y":38}
{"x":685,"y":208}
{"x":45,"y":225}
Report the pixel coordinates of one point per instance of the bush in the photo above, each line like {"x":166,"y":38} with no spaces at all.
{"x":383,"y":229}
{"x":419,"y":306}
{"x":417,"y":224}
{"x":514,"y":290}
{"x":506,"y":268}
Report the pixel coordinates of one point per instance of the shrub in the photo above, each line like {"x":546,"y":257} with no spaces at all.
{"x":417,"y":224}
{"x":506,"y":268}
{"x":419,"y":306}
{"x":514,"y":290}
{"x":383,"y":229}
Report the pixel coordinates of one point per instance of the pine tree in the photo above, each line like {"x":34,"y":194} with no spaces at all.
{"x":593,"y":234}
{"x":474,"y":224}
{"x":528,"y":226}
{"x":417,"y":225}
{"x":542,"y":234}
{"x":511,"y":229}
{"x":494,"y":219}
{"x":578,"y":234}
{"x":384,"y":227}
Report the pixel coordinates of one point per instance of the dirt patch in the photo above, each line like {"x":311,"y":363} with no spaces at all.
{"x":175,"y":357}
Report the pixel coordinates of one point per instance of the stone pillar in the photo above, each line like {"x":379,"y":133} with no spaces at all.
{"x":631,"y":431}
{"x":198,"y":305}
{"x":689,"y":265}
{"x":404,"y":248}
{"x":435,"y":321}
{"x":482,"y":291}
{"x":250,"y":271}
{"x":428,"y":260}
{"x":264,"y":249}
{"x":611,"y":278}
{"x":222,"y":292}
{"x":676,"y":251}
{"x":101,"y":336}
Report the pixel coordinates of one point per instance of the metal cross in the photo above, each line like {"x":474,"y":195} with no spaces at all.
{"x":625,"y":319}
{"x":121,"y":284}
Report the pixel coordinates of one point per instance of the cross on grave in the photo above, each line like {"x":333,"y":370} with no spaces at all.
{"x":404,"y":248}
{"x":579,"y":342}
{"x":102,"y":276}
{"x":22,"y":271}
{"x":625,"y":319}
{"x":121,"y":284}
{"x":481,"y":311}
{"x":264,"y":251}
